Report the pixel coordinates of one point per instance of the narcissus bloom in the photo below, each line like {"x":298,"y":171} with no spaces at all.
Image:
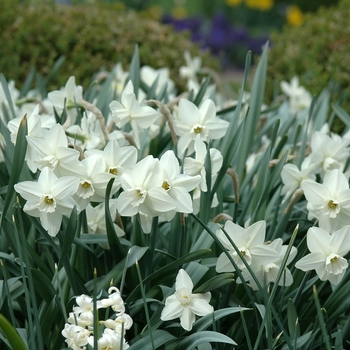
{"x":177,"y":185}
{"x":143,"y":191}
{"x":267,"y":273}
{"x":184,"y":304}
{"x":193,"y":121}
{"x":329,"y":202}
{"x":249,"y":241}
{"x":129,"y":110}
{"x":49,"y":198}
{"x":68,"y":97}
{"x":52,"y":150}
{"x":327,"y":253}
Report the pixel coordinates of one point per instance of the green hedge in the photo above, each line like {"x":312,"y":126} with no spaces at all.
{"x":318,"y":51}
{"x":90,"y":37}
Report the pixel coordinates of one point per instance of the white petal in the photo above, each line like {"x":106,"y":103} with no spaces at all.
{"x":312,"y":261}
{"x":183,"y":280}
{"x":200,"y":306}
{"x":187,"y":318}
{"x":173,"y":309}
{"x":318,"y":241}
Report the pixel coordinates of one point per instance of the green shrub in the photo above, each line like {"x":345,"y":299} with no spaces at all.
{"x":318,"y":51}
{"x":90,"y":37}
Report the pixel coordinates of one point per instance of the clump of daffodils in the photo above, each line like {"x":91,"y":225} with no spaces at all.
{"x":79,"y":330}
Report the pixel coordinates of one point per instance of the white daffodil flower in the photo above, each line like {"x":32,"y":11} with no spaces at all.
{"x":93,"y":180}
{"x":329,"y":152}
{"x":177,"y":185}
{"x":249,"y":241}
{"x":96,"y":220}
{"x":85,"y":135}
{"x":149,"y":76}
{"x":267,"y":273}
{"x":117,"y":159}
{"x":299,"y":97}
{"x":327,"y":253}
{"x":143,"y":191}
{"x":192,"y":121}
{"x":129,"y":110}
{"x":68,"y":97}
{"x":292,"y":177}
{"x":53,"y":151}
{"x":119,"y":79}
{"x":34,"y":130}
{"x":196,"y":166}
{"x":193,"y":67}
{"x":329,"y":202}
{"x":49,"y":198}
{"x":184,"y":304}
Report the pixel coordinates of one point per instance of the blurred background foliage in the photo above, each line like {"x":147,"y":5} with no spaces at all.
{"x":307,"y":38}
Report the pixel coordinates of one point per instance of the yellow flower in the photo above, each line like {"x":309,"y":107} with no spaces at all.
{"x":294,"y":16}
{"x":263,"y":5}
{"x":233,"y":2}
{"x":179,"y":12}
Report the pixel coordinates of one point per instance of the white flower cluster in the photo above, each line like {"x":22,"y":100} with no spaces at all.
{"x":263,"y":259}
{"x":79,"y":156}
{"x":79,"y":330}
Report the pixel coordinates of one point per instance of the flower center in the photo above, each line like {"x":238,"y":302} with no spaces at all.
{"x":85,"y":189}
{"x":166,"y":185}
{"x":334,"y":208}
{"x":113,"y":171}
{"x":332,"y":205}
{"x":197,"y":130}
{"x":246,"y":255}
{"x":336,"y":264}
{"x":47,"y":204}
{"x":49,"y":200}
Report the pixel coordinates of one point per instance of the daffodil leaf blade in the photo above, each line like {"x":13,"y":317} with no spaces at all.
{"x":18,"y":159}
{"x":207,"y":321}
{"x":216,"y":282}
{"x":69,"y":235}
{"x":202,"y":90}
{"x":135,"y":70}
{"x":113,"y":240}
{"x":193,"y":340}
{"x":43,"y":285}
{"x":160,"y":338}
{"x":292,"y":317}
{"x":11,"y":334}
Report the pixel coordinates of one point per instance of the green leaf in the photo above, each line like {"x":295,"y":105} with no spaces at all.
{"x":193,"y":340}
{"x":18,"y":161}
{"x":11,"y":334}
{"x":207,"y":321}
{"x":68,"y":238}
{"x":135,"y":70}
{"x":300,"y":341}
{"x":160,"y":338}
{"x":343,"y":116}
{"x":216,"y":282}
{"x":168,"y":271}
{"x":252,"y":118}
{"x":201,"y":92}
{"x":43,"y":286}
{"x":113,"y":240}
{"x":8,"y":96}
{"x":293,"y":324}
